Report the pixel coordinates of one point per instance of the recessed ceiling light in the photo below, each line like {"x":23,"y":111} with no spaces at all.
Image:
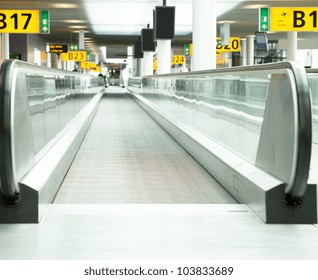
{"x":229,"y":21}
{"x":78,"y":27}
{"x":75,"y":21}
{"x":256,"y":6}
{"x":64,"y":6}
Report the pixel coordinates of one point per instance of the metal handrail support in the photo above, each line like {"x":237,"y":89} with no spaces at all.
{"x":44,"y":115}
{"x":275,"y":186}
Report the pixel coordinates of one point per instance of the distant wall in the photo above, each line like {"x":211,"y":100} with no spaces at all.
{"x":25,"y":44}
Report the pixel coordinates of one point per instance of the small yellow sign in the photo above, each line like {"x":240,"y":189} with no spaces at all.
{"x":234,"y":46}
{"x":19,"y":21}
{"x":155,"y":64}
{"x":85,"y":64}
{"x":178,"y":59}
{"x":95,"y":69}
{"x":294,"y":19}
{"x":75,"y":56}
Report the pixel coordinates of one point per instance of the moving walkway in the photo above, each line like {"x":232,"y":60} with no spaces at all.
{"x":249,"y":127}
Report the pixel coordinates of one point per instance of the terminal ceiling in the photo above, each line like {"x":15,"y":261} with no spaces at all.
{"x":117,"y":24}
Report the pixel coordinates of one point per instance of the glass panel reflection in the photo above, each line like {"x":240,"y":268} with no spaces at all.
{"x":228,"y":108}
{"x":54,"y":101}
{"x":313,"y":84}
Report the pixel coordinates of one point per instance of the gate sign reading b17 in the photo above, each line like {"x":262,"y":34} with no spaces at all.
{"x":294,"y":19}
{"x":19,"y":21}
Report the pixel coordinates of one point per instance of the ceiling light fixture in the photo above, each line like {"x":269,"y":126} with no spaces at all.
{"x":64,"y":6}
{"x":75,"y":21}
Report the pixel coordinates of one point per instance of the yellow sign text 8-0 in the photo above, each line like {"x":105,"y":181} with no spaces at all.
{"x":234,"y":46}
{"x":75,"y":56}
{"x":19,"y":21}
{"x":294,"y":19}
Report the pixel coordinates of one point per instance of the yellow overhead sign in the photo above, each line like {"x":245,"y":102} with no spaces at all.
{"x":155,"y":64}
{"x":85,"y":64}
{"x":95,"y":68}
{"x":234,"y":46}
{"x":294,"y":19}
{"x":19,"y":21}
{"x":178,"y":59}
{"x":75,"y":56}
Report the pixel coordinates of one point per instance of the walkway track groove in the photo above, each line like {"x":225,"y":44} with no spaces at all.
{"x":126,"y":157}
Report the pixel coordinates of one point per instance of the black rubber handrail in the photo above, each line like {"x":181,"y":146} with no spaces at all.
{"x":9,"y":187}
{"x":297,"y":190}
{"x":10,"y":193}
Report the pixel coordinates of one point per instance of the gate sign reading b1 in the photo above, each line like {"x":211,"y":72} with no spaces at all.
{"x":19,"y":21}
{"x":294,"y":19}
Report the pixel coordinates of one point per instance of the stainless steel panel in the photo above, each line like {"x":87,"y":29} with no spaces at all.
{"x":33,"y":124}
{"x":22,"y":139}
{"x":51,"y":120}
{"x":127,"y":158}
{"x":313,"y":83}
{"x":229,"y":109}
{"x":277,"y":149}
{"x":35,"y":89}
{"x":234,"y":102}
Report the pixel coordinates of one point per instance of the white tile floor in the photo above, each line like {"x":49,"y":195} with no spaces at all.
{"x":76,"y":228}
{"x":156,"y":231}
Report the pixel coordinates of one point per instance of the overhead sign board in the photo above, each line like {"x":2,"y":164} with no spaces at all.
{"x":234,"y":46}
{"x":294,"y":19}
{"x":187,"y":49}
{"x":45,"y":22}
{"x":95,"y":68}
{"x":85,"y":64}
{"x":75,"y":56}
{"x":178,"y":59}
{"x":74,"y":47}
{"x":263,"y":19}
{"x":19,"y":21}
{"x":56,"y":48}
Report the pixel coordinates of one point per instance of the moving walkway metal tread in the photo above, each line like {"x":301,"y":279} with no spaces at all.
{"x":127,"y":158}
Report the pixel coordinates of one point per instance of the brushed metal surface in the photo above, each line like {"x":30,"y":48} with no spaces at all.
{"x":127,"y":158}
{"x":233,"y":117}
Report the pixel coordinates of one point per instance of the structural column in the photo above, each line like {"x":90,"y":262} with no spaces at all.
{"x":81,"y":39}
{"x":250,"y":51}
{"x":204,"y":35}
{"x":140,"y":69}
{"x":59,"y":62}
{"x":5,"y":46}
{"x":164,"y":56}
{"x":292,"y":45}
{"x":148,"y":64}
{"x":130,"y":60}
{"x":48,"y":60}
{"x":243,"y":52}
